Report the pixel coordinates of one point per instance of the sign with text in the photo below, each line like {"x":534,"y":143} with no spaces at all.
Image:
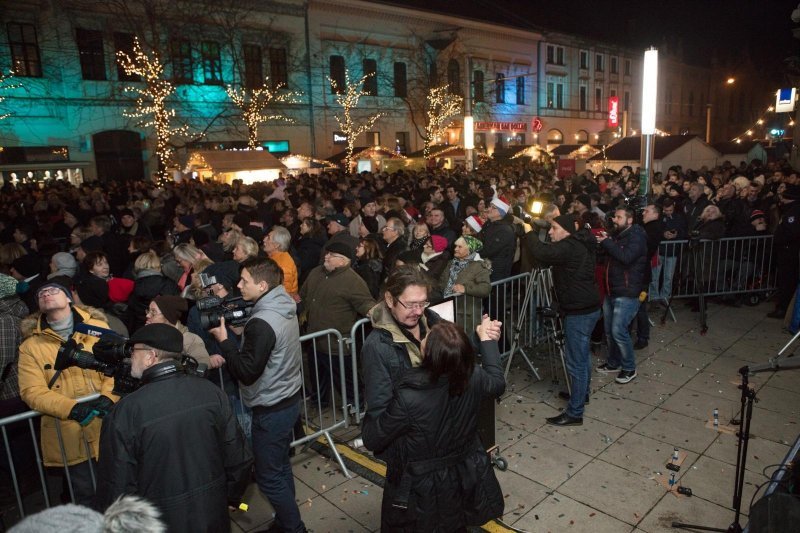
{"x":537,"y":125}
{"x":502,"y":126}
{"x":613,"y":111}
{"x":566,"y":168}
{"x":339,"y":138}
{"x":784,"y":100}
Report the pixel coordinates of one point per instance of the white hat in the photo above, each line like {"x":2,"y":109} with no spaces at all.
{"x":475,"y":222}
{"x":500,"y":204}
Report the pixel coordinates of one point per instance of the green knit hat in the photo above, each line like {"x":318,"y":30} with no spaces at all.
{"x":473,"y":244}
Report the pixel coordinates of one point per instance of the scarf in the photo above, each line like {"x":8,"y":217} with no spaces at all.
{"x":417,"y":244}
{"x":455,"y":269}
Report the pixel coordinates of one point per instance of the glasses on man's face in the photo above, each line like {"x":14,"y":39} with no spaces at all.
{"x":414,"y":305}
{"x":152,"y":312}
{"x":50,"y":291}
{"x":387,"y":228}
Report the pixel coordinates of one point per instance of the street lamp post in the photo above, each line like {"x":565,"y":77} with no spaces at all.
{"x":469,"y":124}
{"x":649,"y":93}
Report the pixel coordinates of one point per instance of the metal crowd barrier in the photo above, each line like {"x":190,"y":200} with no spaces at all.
{"x":29,"y":417}
{"x":729,"y":266}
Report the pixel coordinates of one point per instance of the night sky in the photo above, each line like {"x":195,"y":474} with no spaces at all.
{"x":730,"y":28}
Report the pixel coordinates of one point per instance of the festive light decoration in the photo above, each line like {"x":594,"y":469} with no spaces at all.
{"x":442,"y":105}
{"x":761,"y":124}
{"x":151,"y":101}
{"x":348,"y":97}
{"x":6,"y":85}
{"x":252,"y":102}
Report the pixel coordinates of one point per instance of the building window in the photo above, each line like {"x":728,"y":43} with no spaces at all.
{"x":400,"y":80}
{"x":477,"y":84}
{"x":521,"y":90}
{"x":551,"y":54}
{"x":253,"y":66}
{"x":480,"y":141}
{"x":499,"y":141}
{"x":627,"y":67}
{"x":454,"y":77}
{"x":278,"y":71}
{"x":612,"y":92}
{"x":500,"y":88}
{"x":182,"y":67}
{"x":559,"y":96}
{"x":25,"y":58}
{"x":212,"y":63}
{"x":559,"y":55}
{"x":626,"y":103}
{"x":550,"y":95}
{"x":371,"y":83}
{"x":598,"y":63}
{"x":582,"y":137}
{"x":598,"y":98}
{"x":583,"y":98}
{"x":337,"y":74}
{"x":555,"y":54}
{"x":691,"y":103}
{"x":614,"y":68}
{"x":554,"y":136}
{"x":373,"y":138}
{"x":123,"y":42}
{"x":401,"y":139}
{"x":584,"y":59}
{"x":90,"y":53}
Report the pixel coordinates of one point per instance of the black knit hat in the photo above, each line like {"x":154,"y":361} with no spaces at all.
{"x":226,"y":273}
{"x":172,"y":307}
{"x":567,"y":222}
{"x":93,"y":291}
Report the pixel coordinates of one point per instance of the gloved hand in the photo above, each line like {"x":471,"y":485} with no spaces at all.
{"x":103,"y":404}
{"x":83,"y":413}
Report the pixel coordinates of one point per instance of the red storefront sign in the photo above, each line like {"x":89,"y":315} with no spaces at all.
{"x":566,"y":168}
{"x":613,"y":111}
{"x":502,"y":126}
{"x":537,"y":125}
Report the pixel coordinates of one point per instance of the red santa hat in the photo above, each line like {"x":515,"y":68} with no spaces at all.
{"x":475,"y":222}
{"x":501,"y":204}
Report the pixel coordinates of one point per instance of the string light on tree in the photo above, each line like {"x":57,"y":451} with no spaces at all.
{"x":6,"y":85}
{"x":253,"y":101}
{"x":348,"y":97}
{"x":151,"y":100}
{"x":442,"y":105}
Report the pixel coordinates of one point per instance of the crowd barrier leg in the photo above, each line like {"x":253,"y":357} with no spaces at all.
{"x":64,"y":460}
{"x":39,"y":466}
{"x":14,"y":481}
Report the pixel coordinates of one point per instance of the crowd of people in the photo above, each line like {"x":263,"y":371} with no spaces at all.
{"x":311,"y":253}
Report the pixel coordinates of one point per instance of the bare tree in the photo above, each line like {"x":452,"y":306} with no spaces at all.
{"x":442,"y":106}
{"x":350,"y":125}
{"x":252,"y":103}
{"x":6,"y":85}
{"x":151,"y":103}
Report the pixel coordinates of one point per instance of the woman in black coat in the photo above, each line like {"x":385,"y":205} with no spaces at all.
{"x":439,"y":477}
{"x":309,"y":246}
{"x":149,"y":283}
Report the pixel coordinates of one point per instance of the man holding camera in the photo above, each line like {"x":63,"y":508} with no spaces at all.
{"x":267,"y":365}
{"x":54,"y":392}
{"x":572,"y":252}
{"x":174,"y":441}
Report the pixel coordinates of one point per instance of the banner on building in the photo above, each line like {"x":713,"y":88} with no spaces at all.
{"x":613,"y":111}
{"x":566,"y":168}
{"x":501,"y":126}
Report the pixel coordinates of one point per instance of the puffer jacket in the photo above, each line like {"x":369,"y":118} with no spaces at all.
{"x":37,"y":355}
{"x":436,"y":465}
{"x":627,"y":266}
{"x":387,"y":353}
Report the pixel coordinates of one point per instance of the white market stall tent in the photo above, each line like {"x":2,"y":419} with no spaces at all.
{"x":250,"y":166}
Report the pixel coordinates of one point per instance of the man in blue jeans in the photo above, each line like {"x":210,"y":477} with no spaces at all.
{"x":571,"y":252}
{"x":267,"y":365}
{"x":626,"y":278}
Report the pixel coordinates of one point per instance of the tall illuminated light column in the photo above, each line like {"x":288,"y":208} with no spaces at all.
{"x":469,"y":122}
{"x":649,"y":92}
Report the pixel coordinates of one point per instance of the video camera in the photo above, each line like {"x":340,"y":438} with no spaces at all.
{"x":111,"y":357}
{"x":235,"y":310}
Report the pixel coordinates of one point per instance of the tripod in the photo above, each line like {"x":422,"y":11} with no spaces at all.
{"x":748,"y":399}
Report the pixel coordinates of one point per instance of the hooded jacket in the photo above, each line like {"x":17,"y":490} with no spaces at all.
{"x":627,"y":266}
{"x":37,"y":355}
{"x":267,"y":362}
{"x":574,"y":259}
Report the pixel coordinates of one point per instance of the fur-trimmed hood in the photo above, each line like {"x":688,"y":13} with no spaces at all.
{"x":32,"y":324}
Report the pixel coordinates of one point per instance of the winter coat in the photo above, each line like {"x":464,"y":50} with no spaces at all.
{"x":334,"y":300}
{"x":477,"y":285}
{"x":387,"y":353}
{"x":147,"y":286}
{"x":193,"y":345}
{"x":573,"y":261}
{"x":391,"y":253}
{"x":37,"y":355}
{"x":289,"y":269}
{"x":309,"y":250}
{"x":435,"y":464}
{"x":436,"y":264}
{"x":627,"y":266}
{"x":370,"y":271}
{"x":499,"y":245}
{"x":12,"y":311}
{"x":176,"y":443}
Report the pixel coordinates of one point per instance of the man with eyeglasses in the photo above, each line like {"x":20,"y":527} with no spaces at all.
{"x":54,"y":392}
{"x":392,"y":234}
{"x":400,"y":323}
{"x":172,"y":436}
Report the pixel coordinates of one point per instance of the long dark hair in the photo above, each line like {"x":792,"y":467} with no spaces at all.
{"x":448,"y":352}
